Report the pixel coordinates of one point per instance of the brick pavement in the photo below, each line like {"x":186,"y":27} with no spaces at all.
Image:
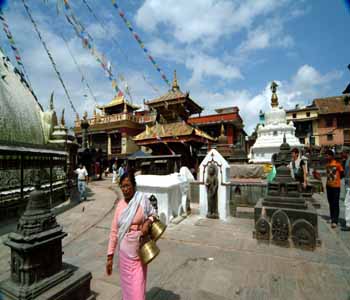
{"x":209,"y":259}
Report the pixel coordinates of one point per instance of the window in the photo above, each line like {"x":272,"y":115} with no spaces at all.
{"x":329,"y":137}
{"x":312,"y":140}
{"x":308,"y":114}
{"x":294,"y":115}
{"x":329,"y":122}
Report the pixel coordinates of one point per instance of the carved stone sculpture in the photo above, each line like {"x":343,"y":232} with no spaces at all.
{"x":303,"y":234}
{"x":280,"y":226}
{"x":262,"y":227}
{"x":212,"y":191}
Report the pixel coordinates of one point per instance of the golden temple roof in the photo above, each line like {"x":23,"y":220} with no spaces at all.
{"x":171,"y":130}
{"x":118,"y":100}
{"x":175,"y":93}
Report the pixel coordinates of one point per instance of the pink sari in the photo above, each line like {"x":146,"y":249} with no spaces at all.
{"x":132,"y":272}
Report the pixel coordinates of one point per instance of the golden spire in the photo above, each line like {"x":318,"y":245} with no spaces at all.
{"x":175,"y":85}
{"x":77,"y":118}
{"x":274,"y":98}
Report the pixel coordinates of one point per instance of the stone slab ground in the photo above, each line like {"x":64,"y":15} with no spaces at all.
{"x":208,"y":259}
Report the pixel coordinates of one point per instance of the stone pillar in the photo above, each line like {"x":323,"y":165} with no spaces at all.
{"x":124,"y":142}
{"x":84,"y":124}
{"x":230,"y":134}
{"x":109,"y":145}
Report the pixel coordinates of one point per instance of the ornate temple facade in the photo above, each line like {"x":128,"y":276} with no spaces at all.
{"x":113,"y":128}
{"x":227,"y":127}
{"x":172,"y":133}
{"x":31,"y":140}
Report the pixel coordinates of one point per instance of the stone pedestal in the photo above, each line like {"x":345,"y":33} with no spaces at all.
{"x":286,"y":215}
{"x":37,"y":270}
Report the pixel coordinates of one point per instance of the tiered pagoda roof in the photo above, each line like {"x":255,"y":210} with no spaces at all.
{"x":172,"y":132}
{"x":175,"y":104}
{"x":117,"y":105}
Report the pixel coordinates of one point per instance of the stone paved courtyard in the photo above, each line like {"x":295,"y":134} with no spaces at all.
{"x":207,"y":259}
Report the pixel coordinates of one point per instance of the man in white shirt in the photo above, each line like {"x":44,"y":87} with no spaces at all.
{"x":82,"y":181}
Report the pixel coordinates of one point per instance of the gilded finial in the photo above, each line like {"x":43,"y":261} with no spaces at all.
{"x":274,"y":98}
{"x":77,"y":117}
{"x":94,"y":113}
{"x":51,"y":107}
{"x":175,"y":85}
{"x":63,"y":122}
{"x":85,"y":115}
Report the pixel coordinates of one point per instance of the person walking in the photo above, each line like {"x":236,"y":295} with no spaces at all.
{"x":82,"y":181}
{"x":335,"y":172}
{"x":121,"y":171}
{"x":347,"y":191}
{"x":132,"y":220}
{"x":115,"y":170}
{"x":298,"y":168}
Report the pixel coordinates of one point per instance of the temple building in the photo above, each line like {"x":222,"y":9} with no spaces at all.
{"x":32,"y":141}
{"x":227,"y":127}
{"x":113,"y":128}
{"x":172,"y":132}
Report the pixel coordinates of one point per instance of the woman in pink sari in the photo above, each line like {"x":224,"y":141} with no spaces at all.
{"x":132,"y":219}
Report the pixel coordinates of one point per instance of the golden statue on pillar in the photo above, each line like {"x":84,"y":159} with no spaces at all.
{"x":274,"y":98}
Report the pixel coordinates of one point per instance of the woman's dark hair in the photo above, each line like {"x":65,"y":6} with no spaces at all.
{"x":330,"y":152}
{"x":129,"y":174}
{"x":295,"y":150}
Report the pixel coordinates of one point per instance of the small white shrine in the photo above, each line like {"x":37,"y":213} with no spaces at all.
{"x":171,"y":192}
{"x":270,"y":135}
{"x":223,"y":188}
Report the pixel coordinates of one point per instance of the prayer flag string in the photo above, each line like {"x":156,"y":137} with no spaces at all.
{"x":139,"y":41}
{"x":14,"y":47}
{"x":83,"y":78}
{"x":87,"y":42}
{"x":49,"y":54}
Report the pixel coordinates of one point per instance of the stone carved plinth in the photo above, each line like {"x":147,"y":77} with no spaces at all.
{"x":287,"y":208}
{"x":37,"y":270}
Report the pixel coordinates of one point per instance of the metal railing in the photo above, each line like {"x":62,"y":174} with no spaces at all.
{"x":98,"y":119}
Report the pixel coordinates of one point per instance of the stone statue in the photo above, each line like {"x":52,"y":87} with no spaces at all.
{"x":212,"y":191}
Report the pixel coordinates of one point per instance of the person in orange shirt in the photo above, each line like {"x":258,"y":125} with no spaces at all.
{"x":335,"y":172}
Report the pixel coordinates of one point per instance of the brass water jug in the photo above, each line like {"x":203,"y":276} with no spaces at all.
{"x":148,"y":251}
{"x":157,"y":229}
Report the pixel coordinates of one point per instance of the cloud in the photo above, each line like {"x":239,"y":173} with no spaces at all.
{"x":199,"y":20}
{"x":161,"y":48}
{"x":269,"y":35}
{"x":205,"y":66}
{"x":306,"y":85}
